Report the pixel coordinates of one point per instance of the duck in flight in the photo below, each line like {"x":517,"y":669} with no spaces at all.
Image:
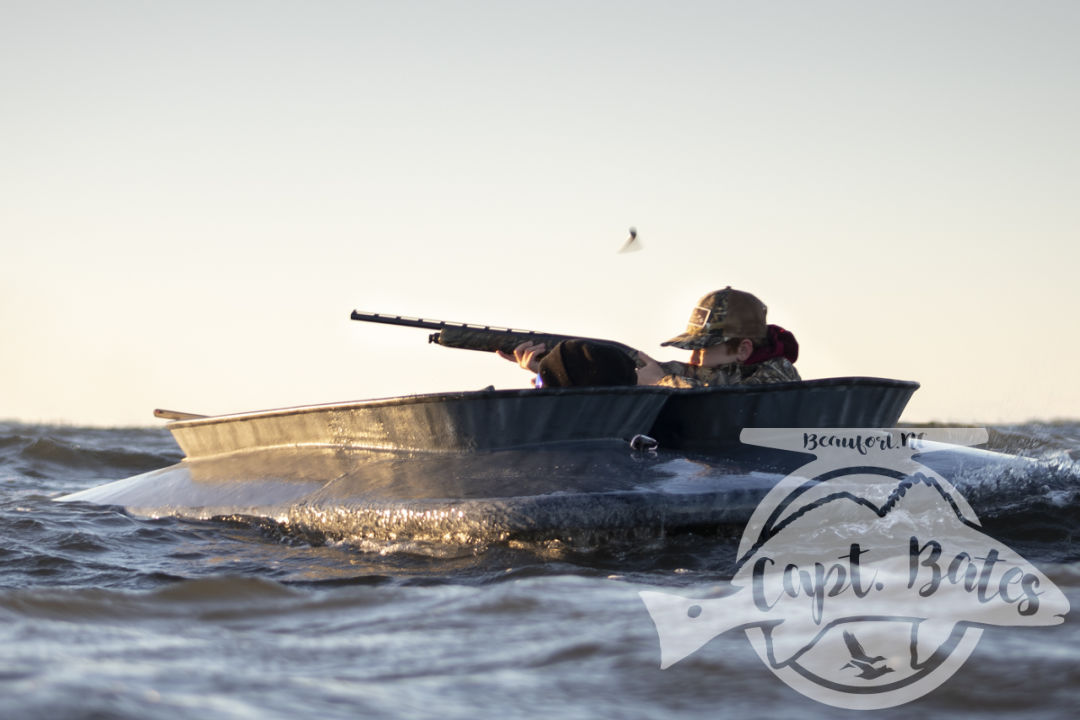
{"x":866,"y":665}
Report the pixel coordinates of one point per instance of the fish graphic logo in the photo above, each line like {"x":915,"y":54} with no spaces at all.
{"x":863,"y":578}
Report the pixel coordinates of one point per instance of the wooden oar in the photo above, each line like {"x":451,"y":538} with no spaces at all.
{"x":176,"y":415}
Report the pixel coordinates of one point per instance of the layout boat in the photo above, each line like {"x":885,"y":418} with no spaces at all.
{"x":476,"y":467}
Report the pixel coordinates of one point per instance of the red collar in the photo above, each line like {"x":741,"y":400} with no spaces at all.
{"x":778,"y":343}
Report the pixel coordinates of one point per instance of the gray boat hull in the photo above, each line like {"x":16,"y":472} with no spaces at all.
{"x":498,"y":465}
{"x":447,"y":422}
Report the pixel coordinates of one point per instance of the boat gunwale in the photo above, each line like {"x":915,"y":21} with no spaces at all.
{"x":418,"y":399}
{"x":854,"y":380}
{"x":424,"y":398}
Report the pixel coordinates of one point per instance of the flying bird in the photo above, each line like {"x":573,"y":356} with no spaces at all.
{"x":631,"y":244}
{"x":861,"y":661}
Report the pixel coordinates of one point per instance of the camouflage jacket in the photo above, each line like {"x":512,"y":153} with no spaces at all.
{"x":682,"y":375}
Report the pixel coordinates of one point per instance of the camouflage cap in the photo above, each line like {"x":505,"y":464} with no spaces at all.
{"x":722,"y":315}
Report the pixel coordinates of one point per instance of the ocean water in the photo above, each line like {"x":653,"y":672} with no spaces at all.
{"x":108,"y":615}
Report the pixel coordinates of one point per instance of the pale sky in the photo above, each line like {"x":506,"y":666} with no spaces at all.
{"x":194,"y":195}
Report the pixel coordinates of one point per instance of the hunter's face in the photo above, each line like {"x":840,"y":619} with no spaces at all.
{"x":712,"y":356}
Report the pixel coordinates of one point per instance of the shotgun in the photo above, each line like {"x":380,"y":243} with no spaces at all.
{"x":487,"y":338}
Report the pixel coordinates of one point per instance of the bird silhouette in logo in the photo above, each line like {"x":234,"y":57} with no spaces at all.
{"x":631,"y":243}
{"x":866,"y":665}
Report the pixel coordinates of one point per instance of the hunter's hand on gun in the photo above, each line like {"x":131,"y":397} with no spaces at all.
{"x":650,"y":373}
{"x":527,"y":355}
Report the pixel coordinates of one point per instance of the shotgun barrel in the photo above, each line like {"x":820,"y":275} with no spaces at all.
{"x":487,"y":338}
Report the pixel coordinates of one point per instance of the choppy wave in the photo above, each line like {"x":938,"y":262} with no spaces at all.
{"x":55,"y":452}
{"x":1040,"y":440}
